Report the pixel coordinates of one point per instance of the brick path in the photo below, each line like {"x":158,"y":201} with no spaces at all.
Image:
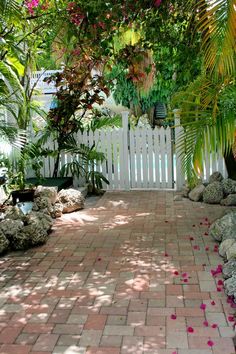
{"x":112,"y":279}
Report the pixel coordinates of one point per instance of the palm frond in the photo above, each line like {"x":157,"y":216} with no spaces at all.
{"x":217,"y":20}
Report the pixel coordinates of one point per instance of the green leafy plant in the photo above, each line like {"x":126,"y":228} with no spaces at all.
{"x":84,"y":164}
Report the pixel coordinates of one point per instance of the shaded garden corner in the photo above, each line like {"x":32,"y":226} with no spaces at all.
{"x":131,"y":273}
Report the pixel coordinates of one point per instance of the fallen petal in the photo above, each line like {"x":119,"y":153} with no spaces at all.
{"x":203,"y":306}
{"x":190,"y":330}
{"x":210,"y":343}
{"x":173,"y":317}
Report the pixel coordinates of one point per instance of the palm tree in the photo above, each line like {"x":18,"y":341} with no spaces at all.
{"x":208,"y":104}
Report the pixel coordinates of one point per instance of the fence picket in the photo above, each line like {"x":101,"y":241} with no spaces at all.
{"x":157,"y":158}
{"x":163,"y":157}
{"x":169,"y":158}
{"x":150,"y":136}
{"x":132,"y":153}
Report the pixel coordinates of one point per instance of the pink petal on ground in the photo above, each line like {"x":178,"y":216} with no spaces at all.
{"x":203,"y":306}
{"x":210,"y":343}
{"x":173,"y":317}
{"x":213,"y":303}
{"x":214,"y":325}
{"x":206,"y":324}
{"x":220,"y":282}
{"x":190,"y":330}
{"x":231,"y":318}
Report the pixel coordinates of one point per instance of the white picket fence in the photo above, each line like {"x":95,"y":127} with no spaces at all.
{"x":139,"y":158}
{"x":37,"y":81}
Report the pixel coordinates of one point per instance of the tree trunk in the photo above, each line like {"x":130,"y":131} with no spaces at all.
{"x":230,"y":163}
{"x":56,"y":166}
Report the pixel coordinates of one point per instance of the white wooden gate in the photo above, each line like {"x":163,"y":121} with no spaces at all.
{"x":136,"y":158}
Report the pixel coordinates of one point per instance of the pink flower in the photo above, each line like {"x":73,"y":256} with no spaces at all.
{"x":31,"y":4}
{"x":210,"y":343}
{"x":214,"y":325}
{"x":176,"y":272}
{"x":184,"y":275}
{"x":219,"y":289}
{"x":205,"y":323}
{"x":206,"y":248}
{"x":220,"y":282}
{"x":203,"y":307}
{"x":231,"y":318}
{"x":157,"y":3}
{"x":190,"y":330}
{"x":191,"y":238}
{"x":196,"y":247}
{"x":213,"y":303}
{"x":185,"y":280}
{"x":173,"y":317}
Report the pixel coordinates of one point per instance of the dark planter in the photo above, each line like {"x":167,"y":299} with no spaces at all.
{"x":59,"y":182}
{"x":25,"y":195}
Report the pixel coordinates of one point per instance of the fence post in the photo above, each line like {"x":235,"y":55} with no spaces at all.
{"x":125,"y":151}
{"x":180,"y":179}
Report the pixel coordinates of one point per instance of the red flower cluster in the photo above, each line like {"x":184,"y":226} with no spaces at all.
{"x":31,"y":5}
{"x":76,"y":15}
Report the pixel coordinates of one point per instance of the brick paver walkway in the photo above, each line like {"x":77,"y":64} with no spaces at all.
{"x":127,"y":275}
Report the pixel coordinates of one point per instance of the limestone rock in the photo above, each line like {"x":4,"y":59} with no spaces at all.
{"x":38,"y":218}
{"x":224,"y":227}
{"x":31,"y":235}
{"x":225,"y":245}
{"x":71,"y":199}
{"x":178,"y":198}
{"x":10,"y":228}
{"x":230,"y":285}
{"x":185,"y":191}
{"x":231,"y":251}
{"x":46,"y":192}
{"x":56,"y":210}
{"x":215,"y":177}
{"x":197,"y":193}
{"x":229,"y":186}
{"x":213,"y":193}
{"x":4,"y":243}
{"x":230,"y":200}
{"x":229,"y":268}
{"x":14,"y":213}
{"x":42,"y":204}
